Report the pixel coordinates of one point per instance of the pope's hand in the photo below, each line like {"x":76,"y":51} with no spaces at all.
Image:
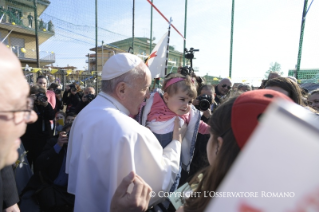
{"x":179,"y":132}
{"x":137,"y":200}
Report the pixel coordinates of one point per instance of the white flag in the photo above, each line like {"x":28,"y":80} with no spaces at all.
{"x":156,"y":61}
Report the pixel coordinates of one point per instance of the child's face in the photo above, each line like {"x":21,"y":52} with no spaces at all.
{"x":179,"y":103}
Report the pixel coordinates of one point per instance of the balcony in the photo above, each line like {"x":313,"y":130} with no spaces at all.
{"x":30,"y":55}
{"x":16,"y":21}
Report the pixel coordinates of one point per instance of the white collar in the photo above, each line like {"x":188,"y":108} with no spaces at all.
{"x":114,"y":101}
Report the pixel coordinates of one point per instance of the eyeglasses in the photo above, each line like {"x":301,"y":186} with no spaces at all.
{"x":226,"y":86}
{"x":22,"y":115}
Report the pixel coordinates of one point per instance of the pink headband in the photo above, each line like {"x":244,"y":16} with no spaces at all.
{"x":172,"y":81}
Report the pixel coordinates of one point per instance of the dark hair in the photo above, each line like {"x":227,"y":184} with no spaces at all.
{"x":220,"y":126}
{"x":243,"y":85}
{"x":66,"y":126}
{"x":54,"y":86}
{"x":70,"y":114}
{"x":206,"y":87}
{"x":293,"y":89}
{"x":41,"y":77}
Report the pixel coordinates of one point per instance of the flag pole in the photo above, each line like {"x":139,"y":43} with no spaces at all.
{"x":167,"y":48}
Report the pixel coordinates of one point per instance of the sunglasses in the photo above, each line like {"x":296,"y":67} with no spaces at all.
{"x":226,"y":86}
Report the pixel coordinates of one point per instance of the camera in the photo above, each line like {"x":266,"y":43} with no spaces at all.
{"x":189,"y":55}
{"x":41,"y":97}
{"x":57,"y":91}
{"x":90,"y":97}
{"x":204,"y":102}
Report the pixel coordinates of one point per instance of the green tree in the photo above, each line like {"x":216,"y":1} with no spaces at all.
{"x":274,"y":67}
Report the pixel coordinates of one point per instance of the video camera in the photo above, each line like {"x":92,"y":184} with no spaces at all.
{"x":204,"y":102}
{"x":189,"y":55}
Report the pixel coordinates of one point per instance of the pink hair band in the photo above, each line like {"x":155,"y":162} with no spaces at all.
{"x":172,"y":81}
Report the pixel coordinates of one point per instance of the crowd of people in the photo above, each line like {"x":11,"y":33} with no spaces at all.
{"x":83,"y":151}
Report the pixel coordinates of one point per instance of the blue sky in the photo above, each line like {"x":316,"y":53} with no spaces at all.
{"x":264,"y":32}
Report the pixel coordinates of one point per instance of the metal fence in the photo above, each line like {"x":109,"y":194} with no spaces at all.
{"x":62,"y":77}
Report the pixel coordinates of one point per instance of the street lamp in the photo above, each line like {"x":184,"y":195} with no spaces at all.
{"x":102,"y":54}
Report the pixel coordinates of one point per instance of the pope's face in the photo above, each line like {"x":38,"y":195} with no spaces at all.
{"x":137,"y":92}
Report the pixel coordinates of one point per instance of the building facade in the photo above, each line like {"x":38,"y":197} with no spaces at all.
{"x":141,"y":49}
{"x":17,"y":17}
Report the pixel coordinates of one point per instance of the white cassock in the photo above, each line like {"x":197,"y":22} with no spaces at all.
{"x":105,"y":145}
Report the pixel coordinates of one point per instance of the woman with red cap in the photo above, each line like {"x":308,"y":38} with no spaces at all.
{"x":231,"y":126}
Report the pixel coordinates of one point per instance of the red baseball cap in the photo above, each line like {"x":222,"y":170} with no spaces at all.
{"x":247,"y":109}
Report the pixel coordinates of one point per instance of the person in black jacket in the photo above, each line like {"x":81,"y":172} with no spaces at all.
{"x":40,"y":131}
{"x":71,"y":98}
{"x":85,"y":101}
{"x":47,"y":188}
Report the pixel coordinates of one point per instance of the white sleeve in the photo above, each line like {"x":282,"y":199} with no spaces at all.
{"x":157,"y":166}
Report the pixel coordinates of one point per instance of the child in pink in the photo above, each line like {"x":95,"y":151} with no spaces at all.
{"x":161,"y":109}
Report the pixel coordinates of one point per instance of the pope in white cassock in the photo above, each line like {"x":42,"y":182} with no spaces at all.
{"x":106,"y":143}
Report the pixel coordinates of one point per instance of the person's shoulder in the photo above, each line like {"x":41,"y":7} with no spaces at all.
{"x":50,"y":93}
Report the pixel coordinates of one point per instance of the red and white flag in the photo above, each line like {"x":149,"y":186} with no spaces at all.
{"x":156,"y":60}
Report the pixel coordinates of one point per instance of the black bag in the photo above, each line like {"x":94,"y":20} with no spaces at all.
{"x":53,"y":198}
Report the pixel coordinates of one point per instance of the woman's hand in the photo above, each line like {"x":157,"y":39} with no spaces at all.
{"x":63,"y":139}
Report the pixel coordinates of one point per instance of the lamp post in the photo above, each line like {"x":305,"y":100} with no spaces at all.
{"x":303,"y":22}
{"x":96,"y":25}
{"x":102,"y":53}
{"x":231,"y":39}
{"x":133,"y":21}
{"x":185,"y":23}
{"x":151,"y":37}
{"x":36,"y":32}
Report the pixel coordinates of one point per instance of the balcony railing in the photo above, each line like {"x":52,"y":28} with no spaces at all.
{"x":25,"y":21}
{"x":30,"y":54}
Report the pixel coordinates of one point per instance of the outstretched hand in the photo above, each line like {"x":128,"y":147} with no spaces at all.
{"x":135,"y":201}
